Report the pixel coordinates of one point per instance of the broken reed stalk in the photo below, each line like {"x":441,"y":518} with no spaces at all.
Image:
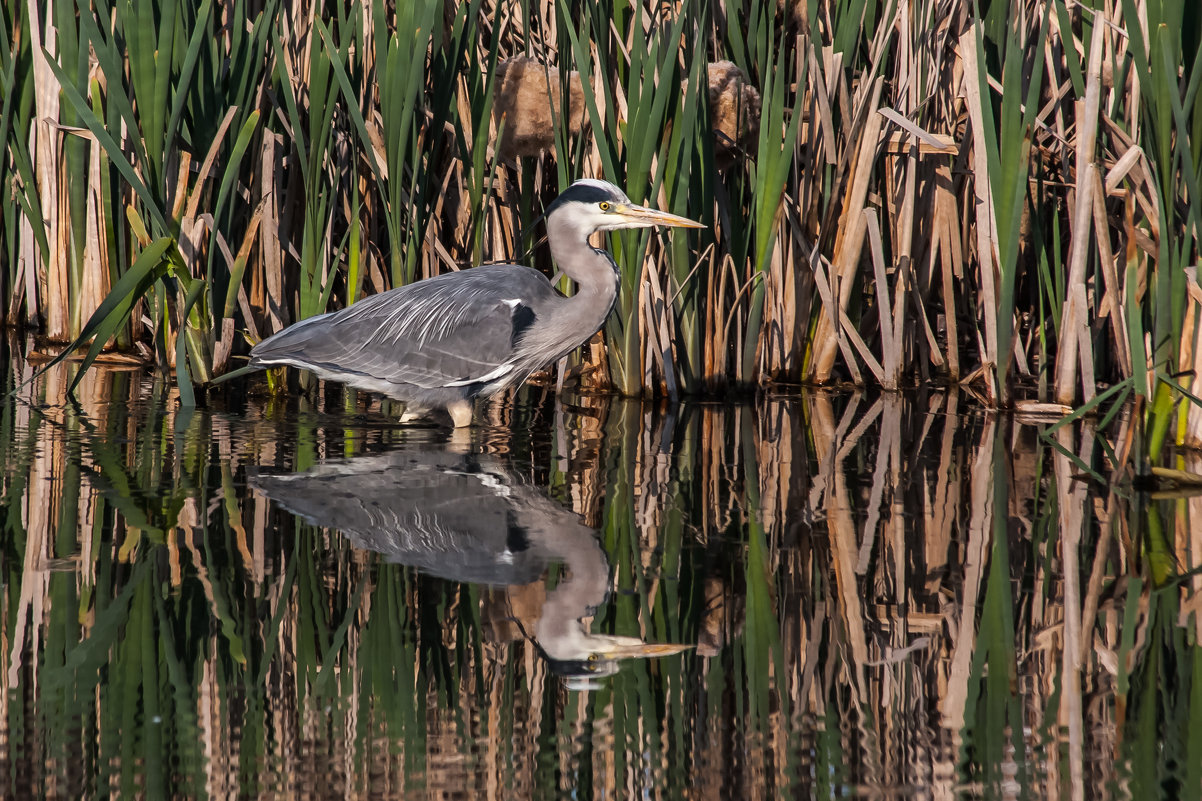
{"x":1074,"y":320}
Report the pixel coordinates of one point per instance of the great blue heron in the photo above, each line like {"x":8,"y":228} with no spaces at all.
{"x":445,"y":341}
{"x":465,"y":517}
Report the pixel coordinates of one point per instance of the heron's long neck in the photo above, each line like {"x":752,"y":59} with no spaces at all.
{"x":585,"y":589}
{"x":592,"y":270}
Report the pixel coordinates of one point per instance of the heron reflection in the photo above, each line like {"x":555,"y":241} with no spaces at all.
{"x":465,"y":517}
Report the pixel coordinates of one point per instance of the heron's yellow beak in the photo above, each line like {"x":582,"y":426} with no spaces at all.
{"x":643,"y":217}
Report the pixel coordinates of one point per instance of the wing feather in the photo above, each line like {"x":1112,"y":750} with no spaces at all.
{"x":456,"y":329}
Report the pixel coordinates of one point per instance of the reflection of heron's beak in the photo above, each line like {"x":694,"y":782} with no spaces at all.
{"x":643,"y":217}
{"x":648,"y":650}
{"x":612,"y":647}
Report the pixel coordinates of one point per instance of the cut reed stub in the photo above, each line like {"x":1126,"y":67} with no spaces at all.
{"x":527,"y":107}
{"x":734,"y":111}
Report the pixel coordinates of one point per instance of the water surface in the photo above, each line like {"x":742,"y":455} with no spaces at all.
{"x":891,"y":595}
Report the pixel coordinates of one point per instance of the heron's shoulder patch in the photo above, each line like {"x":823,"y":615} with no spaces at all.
{"x":523,"y":318}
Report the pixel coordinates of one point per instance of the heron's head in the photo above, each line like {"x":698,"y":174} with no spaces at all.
{"x":590,"y":205}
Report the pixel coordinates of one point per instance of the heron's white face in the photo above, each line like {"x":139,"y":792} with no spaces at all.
{"x":607,"y":215}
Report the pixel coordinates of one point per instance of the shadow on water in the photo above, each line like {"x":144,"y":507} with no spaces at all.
{"x":897,"y":595}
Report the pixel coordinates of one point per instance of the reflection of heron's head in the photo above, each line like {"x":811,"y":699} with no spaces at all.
{"x":560,"y":633}
{"x":580,"y":655}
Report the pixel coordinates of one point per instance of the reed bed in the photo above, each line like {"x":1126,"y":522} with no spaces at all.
{"x":1001,"y":196}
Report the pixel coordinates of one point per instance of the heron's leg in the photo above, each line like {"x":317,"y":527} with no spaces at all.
{"x":413,"y":412}
{"x":461,"y":413}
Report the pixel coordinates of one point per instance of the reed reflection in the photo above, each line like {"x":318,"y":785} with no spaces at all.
{"x":889,"y":595}
{"x":462,"y":515}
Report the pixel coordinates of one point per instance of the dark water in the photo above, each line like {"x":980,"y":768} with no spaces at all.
{"x":895,"y":596}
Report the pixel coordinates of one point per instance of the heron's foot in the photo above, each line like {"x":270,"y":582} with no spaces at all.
{"x":413,"y":413}
{"x":461,"y":413}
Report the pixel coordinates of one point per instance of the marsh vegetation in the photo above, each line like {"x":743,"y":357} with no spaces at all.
{"x":966,"y":555}
{"x":1001,"y":195}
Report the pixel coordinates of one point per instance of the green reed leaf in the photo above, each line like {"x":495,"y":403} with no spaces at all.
{"x":183,"y":379}
{"x":114,"y":310}
{"x":200,"y":35}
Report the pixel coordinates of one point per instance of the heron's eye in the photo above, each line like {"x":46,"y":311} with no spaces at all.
{"x":603,"y":205}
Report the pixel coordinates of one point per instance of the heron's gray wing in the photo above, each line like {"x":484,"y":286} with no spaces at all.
{"x":453,"y":330}
{"x":457,"y":516}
